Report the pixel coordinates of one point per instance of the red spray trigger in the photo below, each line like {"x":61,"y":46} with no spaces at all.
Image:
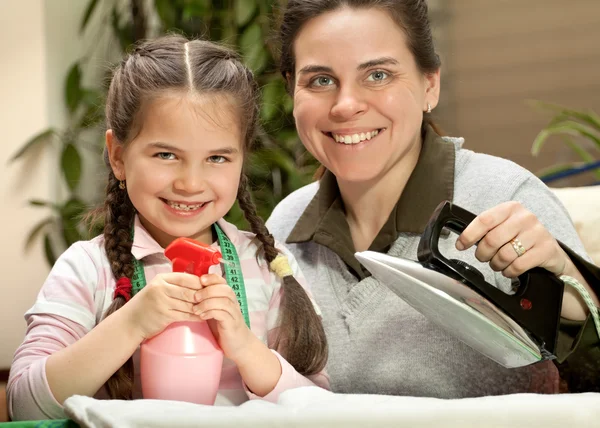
{"x":192,"y":256}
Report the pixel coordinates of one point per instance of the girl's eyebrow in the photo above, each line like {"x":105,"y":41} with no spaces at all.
{"x":163,"y":146}
{"x":167,"y":147}
{"x":384,"y":60}
{"x":224,"y":150}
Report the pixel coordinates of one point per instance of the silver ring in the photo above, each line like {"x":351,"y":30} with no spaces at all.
{"x":518,"y":246}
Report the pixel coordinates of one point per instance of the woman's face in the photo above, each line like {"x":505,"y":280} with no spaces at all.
{"x":358,"y":94}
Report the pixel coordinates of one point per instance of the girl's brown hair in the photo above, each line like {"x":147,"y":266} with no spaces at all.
{"x":173,"y":63}
{"x":410,"y":15}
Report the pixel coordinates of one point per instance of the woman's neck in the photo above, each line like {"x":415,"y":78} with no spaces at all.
{"x":369,"y":204}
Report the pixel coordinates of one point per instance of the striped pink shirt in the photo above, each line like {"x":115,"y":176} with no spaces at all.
{"x":78,"y":291}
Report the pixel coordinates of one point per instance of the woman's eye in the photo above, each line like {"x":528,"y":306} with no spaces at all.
{"x":321,"y":81}
{"x":217,"y":159}
{"x":377,"y":76}
{"x":165,"y":156}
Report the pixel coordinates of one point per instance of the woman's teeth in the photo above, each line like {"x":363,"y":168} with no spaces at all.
{"x":184,"y":207}
{"x":354,"y":138}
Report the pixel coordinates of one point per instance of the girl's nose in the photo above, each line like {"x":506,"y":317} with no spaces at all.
{"x":189,"y":180}
{"x":348,"y":104}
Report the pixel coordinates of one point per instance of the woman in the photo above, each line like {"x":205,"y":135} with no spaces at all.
{"x":365,"y":77}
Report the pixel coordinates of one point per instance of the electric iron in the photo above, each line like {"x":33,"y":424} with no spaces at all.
{"x":513,"y":329}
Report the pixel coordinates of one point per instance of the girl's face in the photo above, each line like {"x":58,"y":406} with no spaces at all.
{"x":183,"y":168}
{"x":359,"y":97}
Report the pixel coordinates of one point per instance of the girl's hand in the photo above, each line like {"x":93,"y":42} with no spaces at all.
{"x":216,"y":303}
{"x":513,"y":241}
{"x":167,"y":298}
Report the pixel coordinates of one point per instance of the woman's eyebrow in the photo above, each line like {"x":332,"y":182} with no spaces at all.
{"x":384,"y":60}
{"x":315,"y":69}
{"x":163,"y":146}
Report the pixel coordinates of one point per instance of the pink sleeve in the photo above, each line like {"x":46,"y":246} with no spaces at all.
{"x":28,"y":393}
{"x":290,"y":379}
{"x":64,"y":311}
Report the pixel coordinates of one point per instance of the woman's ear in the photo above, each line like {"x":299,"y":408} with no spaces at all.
{"x":432,"y":89}
{"x":114,"y":149}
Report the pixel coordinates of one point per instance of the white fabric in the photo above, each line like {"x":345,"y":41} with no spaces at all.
{"x":312,"y":406}
{"x":583,"y":205}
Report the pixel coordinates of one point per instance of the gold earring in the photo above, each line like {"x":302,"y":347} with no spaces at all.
{"x":122,"y":185}
{"x":428,"y":108}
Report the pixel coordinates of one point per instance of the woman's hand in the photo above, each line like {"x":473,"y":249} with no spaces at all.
{"x":216,"y":303}
{"x":513,"y":241}
{"x":166,"y":299}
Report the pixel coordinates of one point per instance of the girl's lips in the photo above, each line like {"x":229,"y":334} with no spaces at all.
{"x":184,"y":213}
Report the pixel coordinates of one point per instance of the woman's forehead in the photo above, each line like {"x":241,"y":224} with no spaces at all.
{"x":349,"y":36}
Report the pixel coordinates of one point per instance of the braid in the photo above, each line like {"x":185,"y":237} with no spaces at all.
{"x":301,"y":338}
{"x":119,"y":214}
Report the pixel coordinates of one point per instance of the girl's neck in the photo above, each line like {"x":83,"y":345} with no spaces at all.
{"x":369,"y":204}
{"x":206,"y":236}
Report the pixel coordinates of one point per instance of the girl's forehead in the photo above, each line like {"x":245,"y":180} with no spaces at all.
{"x":187,"y":117}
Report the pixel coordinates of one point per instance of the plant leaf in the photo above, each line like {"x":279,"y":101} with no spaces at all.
{"x":166,"y":13}
{"x":73,"y":91}
{"x":42,"y":137}
{"x":566,"y":127}
{"x":40,"y":203}
{"x":71,"y":165}
{"x":252,"y":48}
{"x":48,"y":251}
{"x":36,"y":231}
{"x":244,"y":10}
{"x":588,"y":117}
{"x":88,"y":13}
{"x":271,"y":100}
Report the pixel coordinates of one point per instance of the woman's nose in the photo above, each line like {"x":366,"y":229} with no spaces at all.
{"x":189,"y":180}
{"x":348,"y":104}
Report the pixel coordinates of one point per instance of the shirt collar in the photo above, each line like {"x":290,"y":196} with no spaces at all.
{"x":431,"y":182}
{"x":145,"y":245}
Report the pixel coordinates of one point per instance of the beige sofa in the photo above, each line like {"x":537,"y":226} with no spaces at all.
{"x":583,"y":205}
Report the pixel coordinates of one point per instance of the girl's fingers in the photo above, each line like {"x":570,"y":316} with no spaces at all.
{"x":215,"y":290}
{"x":220,"y":303}
{"x":217,"y":315}
{"x":211,"y":279}
{"x":181,"y":279}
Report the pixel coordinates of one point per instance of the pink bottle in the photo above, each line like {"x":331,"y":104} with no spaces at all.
{"x":184,"y":362}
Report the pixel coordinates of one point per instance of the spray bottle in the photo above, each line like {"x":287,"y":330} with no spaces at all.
{"x":184,"y":361}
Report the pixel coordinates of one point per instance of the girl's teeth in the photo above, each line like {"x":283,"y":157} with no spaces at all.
{"x":354,"y":138}
{"x":183,"y":207}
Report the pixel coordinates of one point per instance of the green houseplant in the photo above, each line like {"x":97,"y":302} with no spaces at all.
{"x":578,"y":129}
{"x":278,"y":164}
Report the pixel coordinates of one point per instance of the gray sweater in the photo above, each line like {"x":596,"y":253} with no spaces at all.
{"x":378,"y":343}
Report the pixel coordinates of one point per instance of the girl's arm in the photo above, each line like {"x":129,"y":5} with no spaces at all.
{"x":47,"y":367}
{"x":84,"y":366}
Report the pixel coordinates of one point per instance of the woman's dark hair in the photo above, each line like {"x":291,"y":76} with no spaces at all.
{"x":410,"y":15}
{"x":175,"y":64}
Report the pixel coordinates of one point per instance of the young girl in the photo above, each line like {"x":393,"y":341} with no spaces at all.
{"x":181,"y":116}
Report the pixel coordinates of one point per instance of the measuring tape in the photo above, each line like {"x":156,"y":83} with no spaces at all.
{"x":233,"y":273}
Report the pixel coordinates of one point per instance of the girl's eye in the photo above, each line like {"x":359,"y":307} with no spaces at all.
{"x":217,"y":159}
{"x":377,"y":76}
{"x":165,"y":156}
{"x":321,"y":81}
